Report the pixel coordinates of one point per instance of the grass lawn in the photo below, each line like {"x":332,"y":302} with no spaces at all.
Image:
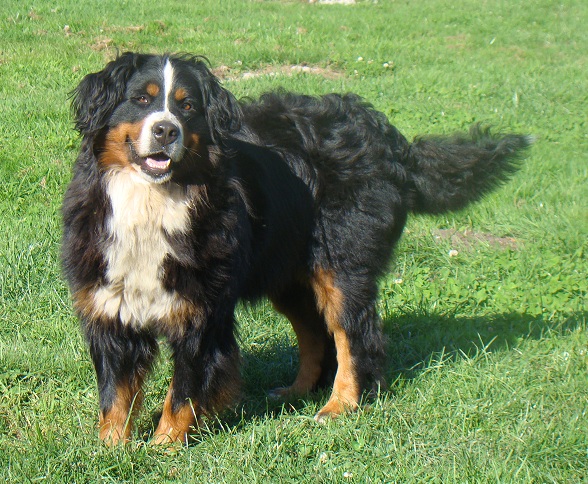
{"x":488,"y":346}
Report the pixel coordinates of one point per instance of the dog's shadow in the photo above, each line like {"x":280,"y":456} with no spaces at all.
{"x":414,"y":343}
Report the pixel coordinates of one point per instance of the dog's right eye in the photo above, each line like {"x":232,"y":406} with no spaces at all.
{"x":142,"y":100}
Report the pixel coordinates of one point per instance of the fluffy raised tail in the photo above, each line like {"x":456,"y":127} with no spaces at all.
{"x":447,"y":173}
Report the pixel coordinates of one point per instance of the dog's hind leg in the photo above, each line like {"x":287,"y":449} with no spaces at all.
{"x":352,"y":320}
{"x":315,"y":345}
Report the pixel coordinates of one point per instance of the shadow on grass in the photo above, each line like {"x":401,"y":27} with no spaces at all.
{"x":416,"y":340}
{"x":413,"y":342}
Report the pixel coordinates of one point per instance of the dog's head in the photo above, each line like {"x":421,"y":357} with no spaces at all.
{"x":153,"y":114}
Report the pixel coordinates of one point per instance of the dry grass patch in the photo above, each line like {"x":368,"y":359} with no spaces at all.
{"x":231,"y":74}
{"x":468,"y":239}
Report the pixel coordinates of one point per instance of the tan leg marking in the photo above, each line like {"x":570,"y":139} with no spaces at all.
{"x":346,"y":388}
{"x":116,"y":424}
{"x":175,"y":427}
{"x":311,"y":346}
{"x":312,"y":349}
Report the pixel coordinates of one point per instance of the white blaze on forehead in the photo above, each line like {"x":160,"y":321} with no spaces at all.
{"x":145,"y":145}
{"x":168,"y":81}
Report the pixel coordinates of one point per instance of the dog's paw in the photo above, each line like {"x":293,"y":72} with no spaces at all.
{"x":279,"y":393}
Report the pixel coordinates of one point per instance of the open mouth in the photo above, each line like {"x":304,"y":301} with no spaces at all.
{"x":157,"y":166}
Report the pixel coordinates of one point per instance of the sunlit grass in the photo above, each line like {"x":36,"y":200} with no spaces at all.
{"x":487,"y":343}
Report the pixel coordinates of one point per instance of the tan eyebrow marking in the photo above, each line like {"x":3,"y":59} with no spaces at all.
{"x":152,"y":89}
{"x":180,"y":94}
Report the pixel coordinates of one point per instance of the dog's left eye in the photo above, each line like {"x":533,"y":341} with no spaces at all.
{"x":187,"y":106}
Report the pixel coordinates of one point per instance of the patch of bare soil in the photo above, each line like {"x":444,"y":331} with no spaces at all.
{"x":469,"y":239}
{"x":101,"y":44}
{"x":230,"y":74}
{"x":333,"y":2}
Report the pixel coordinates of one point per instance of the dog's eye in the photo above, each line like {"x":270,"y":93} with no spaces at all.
{"x":142,"y":100}
{"x":187,"y":106}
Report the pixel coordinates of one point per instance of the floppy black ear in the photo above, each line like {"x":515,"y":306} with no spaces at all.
{"x":98,"y":94}
{"x":221,"y":109}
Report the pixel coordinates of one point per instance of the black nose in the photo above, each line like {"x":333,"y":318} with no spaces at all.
{"x":165,"y":132}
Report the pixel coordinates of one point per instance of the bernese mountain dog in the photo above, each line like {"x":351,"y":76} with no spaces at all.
{"x":185,"y":201}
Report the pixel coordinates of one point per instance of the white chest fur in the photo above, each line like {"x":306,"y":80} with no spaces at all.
{"x":142,"y":214}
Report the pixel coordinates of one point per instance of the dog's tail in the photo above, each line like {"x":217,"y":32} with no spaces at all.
{"x":447,"y":173}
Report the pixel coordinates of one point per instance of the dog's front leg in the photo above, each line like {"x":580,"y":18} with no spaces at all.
{"x":206,"y":378}
{"x":122,"y":357}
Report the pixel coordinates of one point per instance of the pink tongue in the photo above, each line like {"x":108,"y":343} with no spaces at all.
{"x":157,"y":164}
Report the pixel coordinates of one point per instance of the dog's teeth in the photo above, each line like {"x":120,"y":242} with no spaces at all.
{"x":157,"y":164}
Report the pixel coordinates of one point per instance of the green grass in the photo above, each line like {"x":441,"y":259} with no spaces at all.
{"x":488,"y":350}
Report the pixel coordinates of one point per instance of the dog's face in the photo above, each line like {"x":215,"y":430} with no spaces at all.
{"x":155,"y":115}
{"x":159,"y":119}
